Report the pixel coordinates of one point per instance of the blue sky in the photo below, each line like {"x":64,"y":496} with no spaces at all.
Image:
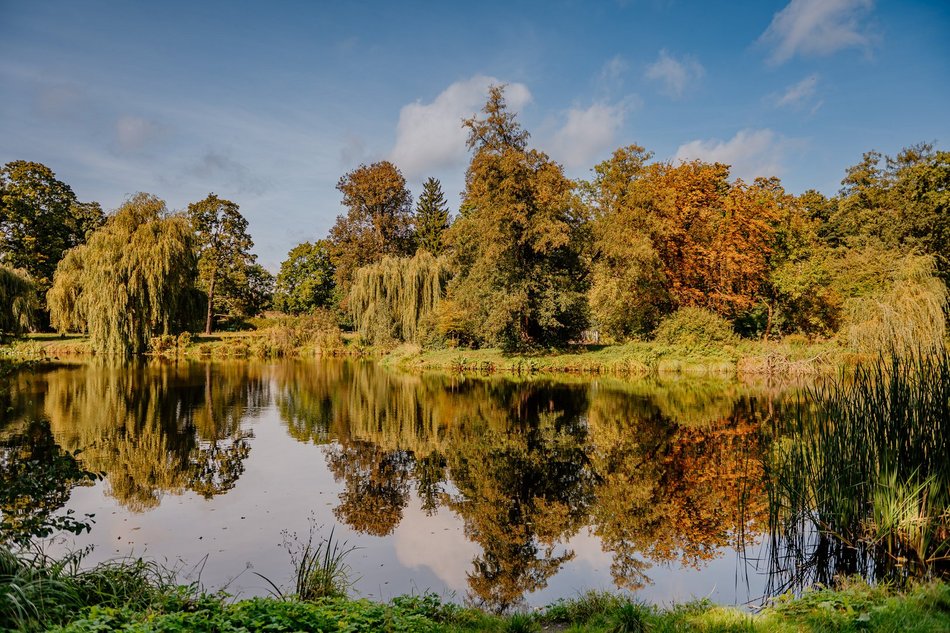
{"x":268,"y":104}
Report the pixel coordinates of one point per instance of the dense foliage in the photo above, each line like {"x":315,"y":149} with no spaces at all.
{"x":397,"y":298}
{"x":132,"y":280}
{"x":306,"y":279}
{"x":516,"y":247}
{"x":224,"y":258}
{"x":40,"y":219}
{"x":378,"y":221}
{"x":17,"y":301}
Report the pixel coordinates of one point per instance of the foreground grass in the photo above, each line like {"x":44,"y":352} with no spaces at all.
{"x":856,"y":607}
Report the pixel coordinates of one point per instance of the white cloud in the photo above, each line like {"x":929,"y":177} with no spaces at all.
{"x":675,"y":75}
{"x":134,"y":133}
{"x":796,"y":94}
{"x":611,"y":74}
{"x":430,"y":135}
{"x":587,"y":132}
{"x":750,"y":152}
{"x":817,"y":27}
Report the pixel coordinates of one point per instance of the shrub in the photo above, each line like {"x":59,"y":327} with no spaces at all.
{"x":694,"y":327}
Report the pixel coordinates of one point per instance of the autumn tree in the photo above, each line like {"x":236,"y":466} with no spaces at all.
{"x":224,"y":250}
{"x":306,"y":279}
{"x":629,"y":292}
{"x":40,"y":219}
{"x":516,"y":246}
{"x":134,"y":279}
{"x":432,"y":217}
{"x":378,"y":221}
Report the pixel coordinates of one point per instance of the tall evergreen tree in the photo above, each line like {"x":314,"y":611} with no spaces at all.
{"x":516,"y":246}
{"x":432,"y":217}
{"x":224,"y":249}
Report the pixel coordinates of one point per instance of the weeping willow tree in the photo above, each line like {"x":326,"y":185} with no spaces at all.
{"x":133,"y":279}
{"x":17,"y":301}
{"x":395,"y":298}
{"x":908,"y":314}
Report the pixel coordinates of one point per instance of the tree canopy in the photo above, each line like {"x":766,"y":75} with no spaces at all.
{"x":306,"y":279}
{"x":18,"y":302}
{"x":40,"y":219}
{"x":134,"y":279}
{"x":224,"y":253}
{"x":516,"y":247}
{"x":378,"y":221}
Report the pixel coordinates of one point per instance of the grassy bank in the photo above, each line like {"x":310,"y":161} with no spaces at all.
{"x":746,"y":357}
{"x":40,"y":593}
{"x":636,"y":358}
{"x":858,"y":607}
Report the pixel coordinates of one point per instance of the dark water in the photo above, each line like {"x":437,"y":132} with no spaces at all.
{"x":495,"y":490}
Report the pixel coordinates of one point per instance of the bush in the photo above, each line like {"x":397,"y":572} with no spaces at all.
{"x":694,"y":327}
{"x":288,"y":335}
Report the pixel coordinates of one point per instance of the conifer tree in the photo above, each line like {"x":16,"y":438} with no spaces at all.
{"x":516,"y":246}
{"x":432,"y":217}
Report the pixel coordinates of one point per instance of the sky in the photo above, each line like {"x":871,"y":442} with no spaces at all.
{"x":269,"y":104}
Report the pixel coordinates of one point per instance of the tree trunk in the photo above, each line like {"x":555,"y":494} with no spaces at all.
{"x":214,"y":278}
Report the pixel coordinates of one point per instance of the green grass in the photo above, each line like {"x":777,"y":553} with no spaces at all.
{"x":857,"y":607}
{"x":749,"y":357}
{"x":40,"y":593}
{"x":636,"y":358}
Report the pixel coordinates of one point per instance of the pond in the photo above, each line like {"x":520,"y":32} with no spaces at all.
{"x":501,"y":491}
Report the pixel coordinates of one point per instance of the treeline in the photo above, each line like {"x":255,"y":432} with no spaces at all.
{"x":531,"y":260}
{"x":140,"y":272}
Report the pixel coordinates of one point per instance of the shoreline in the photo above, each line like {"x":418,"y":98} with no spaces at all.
{"x":639,"y":358}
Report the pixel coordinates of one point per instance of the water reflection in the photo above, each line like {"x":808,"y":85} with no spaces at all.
{"x":660,"y":471}
{"x":155,"y":428}
{"x":528,"y":464}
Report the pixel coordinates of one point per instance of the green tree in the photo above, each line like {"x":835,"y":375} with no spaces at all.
{"x":378,"y":221}
{"x":306,"y":279}
{"x":224,"y":250}
{"x":253,"y":292}
{"x":17,"y":301}
{"x":516,"y":246}
{"x":133,"y":279}
{"x":396,"y":298}
{"x":432,"y":217}
{"x":40,"y":219}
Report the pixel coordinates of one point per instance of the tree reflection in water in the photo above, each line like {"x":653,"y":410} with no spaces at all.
{"x":659,"y":471}
{"x":154,"y":428}
{"x":527,"y":464}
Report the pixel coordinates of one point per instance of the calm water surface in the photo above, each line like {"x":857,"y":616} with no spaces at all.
{"x":496,"y":490}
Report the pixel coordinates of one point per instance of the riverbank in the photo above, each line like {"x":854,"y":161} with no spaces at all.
{"x":786,"y":358}
{"x":856,"y":607}
{"x":636,"y":358}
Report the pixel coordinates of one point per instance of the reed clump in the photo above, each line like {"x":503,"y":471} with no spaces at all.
{"x":861,"y":482}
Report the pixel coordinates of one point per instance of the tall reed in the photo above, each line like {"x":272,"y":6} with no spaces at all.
{"x":861,"y":481}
